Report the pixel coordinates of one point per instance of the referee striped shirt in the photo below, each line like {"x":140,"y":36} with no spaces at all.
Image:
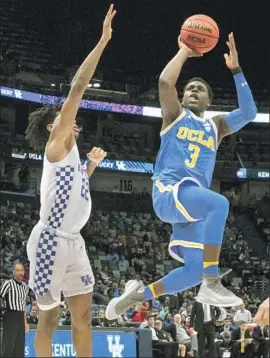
{"x":14,"y":293}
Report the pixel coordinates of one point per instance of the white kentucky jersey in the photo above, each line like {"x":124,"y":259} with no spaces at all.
{"x":65,"y":194}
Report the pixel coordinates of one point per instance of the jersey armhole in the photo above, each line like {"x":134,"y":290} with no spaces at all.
{"x":169,"y":127}
{"x":57,"y":164}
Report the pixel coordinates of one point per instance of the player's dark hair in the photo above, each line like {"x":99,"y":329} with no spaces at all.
{"x":37,"y":133}
{"x":199,"y":79}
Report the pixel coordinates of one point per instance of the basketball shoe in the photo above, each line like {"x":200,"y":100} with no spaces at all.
{"x":212,"y":292}
{"x":133,"y":294}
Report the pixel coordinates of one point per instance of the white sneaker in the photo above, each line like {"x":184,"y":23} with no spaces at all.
{"x":212,"y":292}
{"x":133,"y":294}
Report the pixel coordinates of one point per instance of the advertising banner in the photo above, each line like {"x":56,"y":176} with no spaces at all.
{"x":105,"y":344}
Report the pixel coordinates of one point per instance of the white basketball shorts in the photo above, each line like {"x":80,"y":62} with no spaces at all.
{"x":58,"y":263}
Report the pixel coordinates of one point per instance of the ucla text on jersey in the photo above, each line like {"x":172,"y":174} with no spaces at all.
{"x":188,"y":149}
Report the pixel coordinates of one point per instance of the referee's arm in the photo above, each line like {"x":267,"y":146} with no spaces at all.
{"x":4,"y":289}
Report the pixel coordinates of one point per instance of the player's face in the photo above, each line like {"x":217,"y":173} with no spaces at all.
{"x":196,"y":97}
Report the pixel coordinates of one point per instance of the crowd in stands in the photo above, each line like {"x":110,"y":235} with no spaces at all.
{"x":260,"y":216}
{"x":125,"y":245}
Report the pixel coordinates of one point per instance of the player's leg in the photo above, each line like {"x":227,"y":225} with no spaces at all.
{"x":81,"y":318}
{"x":46,"y":254}
{"x":204,"y":204}
{"x":77,"y":289}
{"x":183,"y":248}
{"x":201,"y":203}
{"x":184,"y":203}
{"x":177,"y":280}
{"x":47,"y":324}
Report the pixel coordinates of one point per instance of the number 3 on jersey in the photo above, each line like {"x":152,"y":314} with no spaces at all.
{"x":191,"y":162}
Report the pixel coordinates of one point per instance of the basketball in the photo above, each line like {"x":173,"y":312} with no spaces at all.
{"x":200,"y":33}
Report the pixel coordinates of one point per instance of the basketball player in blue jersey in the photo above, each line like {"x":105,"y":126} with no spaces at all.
{"x":181,"y":181}
{"x":56,"y":250}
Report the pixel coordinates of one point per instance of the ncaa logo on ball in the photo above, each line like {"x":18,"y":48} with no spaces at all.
{"x":196,"y":39}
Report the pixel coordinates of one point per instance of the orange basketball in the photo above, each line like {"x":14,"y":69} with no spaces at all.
{"x":200,"y":33}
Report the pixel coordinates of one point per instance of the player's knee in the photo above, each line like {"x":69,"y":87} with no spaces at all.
{"x":220,"y":203}
{"x":81,"y":320}
{"x":48,"y":321}
{"x":223,"y":204}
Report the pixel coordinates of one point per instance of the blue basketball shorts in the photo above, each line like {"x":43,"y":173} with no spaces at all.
{"x":185,"y":205}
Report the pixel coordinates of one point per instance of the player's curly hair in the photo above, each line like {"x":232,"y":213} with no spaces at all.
{"x":199,"y":79}
{"x":37,"y":133}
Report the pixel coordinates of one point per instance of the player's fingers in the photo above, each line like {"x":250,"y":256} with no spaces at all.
{"x":229,"y":45}
{"x":110,"y":10}
{"x":112,"y":15}
{"x":226,"y":57}
{"x":108,"y":15}
{"x":232,"y":39}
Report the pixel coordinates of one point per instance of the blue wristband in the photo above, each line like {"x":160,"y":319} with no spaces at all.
{"x":236,"y":70}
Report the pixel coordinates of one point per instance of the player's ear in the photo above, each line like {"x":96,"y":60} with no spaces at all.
{"x":208,"y":104}
{"x":49,"y":127}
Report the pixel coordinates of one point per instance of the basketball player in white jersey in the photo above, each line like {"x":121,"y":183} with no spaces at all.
{"x":56,"y":250}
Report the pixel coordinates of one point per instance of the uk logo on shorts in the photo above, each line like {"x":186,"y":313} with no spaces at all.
{"x":87,"y":280}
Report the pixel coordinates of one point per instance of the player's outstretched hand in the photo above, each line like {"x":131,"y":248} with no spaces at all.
{"x":262,"y":316}
{"x":96,"y":155}
{"x":231,"y":58}
{"x":107,"y":24}
{"x":190,"y":52}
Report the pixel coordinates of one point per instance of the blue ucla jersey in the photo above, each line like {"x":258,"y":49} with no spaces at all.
{"x":188,"y":149}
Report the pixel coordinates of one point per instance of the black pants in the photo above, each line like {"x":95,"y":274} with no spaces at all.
{"x":207,"y":331}
{"x":13,"y":334}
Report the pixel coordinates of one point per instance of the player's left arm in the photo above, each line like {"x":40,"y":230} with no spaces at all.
{"x":247,"y":111}
{"x":95,"y":156}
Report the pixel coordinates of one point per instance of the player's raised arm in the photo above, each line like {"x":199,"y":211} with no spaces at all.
{"x":171,"y":108}
{"x":247,"y":110}
{"x":81,"y":80}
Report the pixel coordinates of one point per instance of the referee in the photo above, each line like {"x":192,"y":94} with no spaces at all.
{"x":14,"y":293}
